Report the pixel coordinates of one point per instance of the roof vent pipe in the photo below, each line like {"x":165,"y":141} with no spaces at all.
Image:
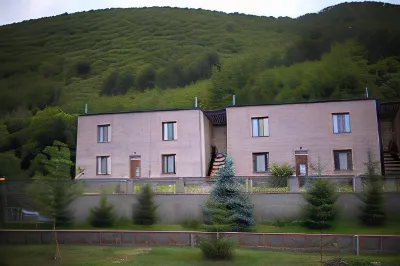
{"x":233,"y":100}
{"x":195,"y":102}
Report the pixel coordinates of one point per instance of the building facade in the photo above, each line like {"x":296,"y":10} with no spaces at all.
{"x":189,"y":142}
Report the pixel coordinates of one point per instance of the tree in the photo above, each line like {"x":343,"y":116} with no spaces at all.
{"x":102,"y":215}
{"x":320,"y":210}
{"x":373,"y":211}
{"x":52,"y":190}
{"x":144,"y":213}
{"x":10,"y":167}
{"x":217,"y":217}
{"x":227,"y":190}
{"x":4,"y":137}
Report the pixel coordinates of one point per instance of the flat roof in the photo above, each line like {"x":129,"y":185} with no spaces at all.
{"x":301,"y":102}
{"x":143,"y":111}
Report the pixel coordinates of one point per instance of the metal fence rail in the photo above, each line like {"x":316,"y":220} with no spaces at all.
{"x":328,"y":243}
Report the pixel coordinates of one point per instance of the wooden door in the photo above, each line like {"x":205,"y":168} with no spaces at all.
{"x":301,"y":165}
{"x":135,"y":169}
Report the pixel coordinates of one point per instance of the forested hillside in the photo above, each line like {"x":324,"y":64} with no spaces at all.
{"x":127,"y":59}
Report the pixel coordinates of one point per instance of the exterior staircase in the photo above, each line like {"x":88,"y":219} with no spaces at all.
{"x":217,"y":163}
{"x":391,"y":163}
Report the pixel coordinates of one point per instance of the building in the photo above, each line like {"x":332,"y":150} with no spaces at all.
{"x":190,"y":142}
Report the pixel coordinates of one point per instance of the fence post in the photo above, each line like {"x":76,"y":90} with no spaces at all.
{"x":192,"y":244}
{"x":354,"y":183}
{"x":357,"y":240}
{"x":251,"y":185}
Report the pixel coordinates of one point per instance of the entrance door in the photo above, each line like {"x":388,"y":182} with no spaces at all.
{"x":301,"y":165}
{"x":135,"y":168}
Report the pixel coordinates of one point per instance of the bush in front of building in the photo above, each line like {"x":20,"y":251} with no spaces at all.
{"x":102,"y":215}
{"x":320,"y":210}
{"x":373,"y":211}
{"x":144,"y":213}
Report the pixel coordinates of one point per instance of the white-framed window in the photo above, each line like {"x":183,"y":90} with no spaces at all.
{"x":103,"y":165}
{"x":341,"y":123}
{"x":103,"y":133}
{"x":260,"y":162}
{"x":343,"y":160}
{"x":260,"y":127}
{"x":168,"y":164}
{"x":170,"y":131}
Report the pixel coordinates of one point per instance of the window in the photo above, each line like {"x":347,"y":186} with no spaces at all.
{"x":103,"y":133}
{"x":169,"y":131}
{"x":103,"y":165}
{"x":343,"y":160}
{"x":260,"y":162}
{"x":341,"y":123}
{"x":260,"y":127}
{"x":168,"y":164}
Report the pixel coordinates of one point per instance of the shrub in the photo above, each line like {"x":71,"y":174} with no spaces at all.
{"x":102,"y":215}
{"x":280,"y":174}
{"x":373,"y":211}
{"x":144,"y":213}
{"x":216,"y":248}
{"x":191,"y":223}
{"x":321,"y":209}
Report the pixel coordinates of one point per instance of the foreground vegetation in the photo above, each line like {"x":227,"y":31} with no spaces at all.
{"x":87,"y":255}
{"x":149,"y":58}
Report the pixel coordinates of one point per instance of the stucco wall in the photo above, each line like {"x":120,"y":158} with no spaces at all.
{"x":303,"y":125}
{"x":140,"y":133}
{"x":219,"y":138}
{"x":174,"y":208}
{"x":207,"y":142}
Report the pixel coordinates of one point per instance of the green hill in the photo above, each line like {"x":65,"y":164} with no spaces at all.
{"x":126,"y":59}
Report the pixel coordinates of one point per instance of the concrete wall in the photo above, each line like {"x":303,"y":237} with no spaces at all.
{"x":306,"y":125}
{"x":219,"y":138}
{"x":140,"y":133}
{"x":174,"y":208}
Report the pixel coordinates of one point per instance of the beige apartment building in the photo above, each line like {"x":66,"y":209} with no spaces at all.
{"x":193,"y":142}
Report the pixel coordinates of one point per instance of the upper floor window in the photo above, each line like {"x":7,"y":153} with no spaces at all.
{"x":343,"y":160}
{"x":103,"y":165}
{"x":103,"y":133}
{"x":260,"y":127}
{"x":169,"y":131}
{"x":168,"y":164}
{"x":260,"y":162}
{"x":341,"y":123}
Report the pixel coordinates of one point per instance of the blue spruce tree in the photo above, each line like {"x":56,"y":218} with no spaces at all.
{"x":227,"y":190}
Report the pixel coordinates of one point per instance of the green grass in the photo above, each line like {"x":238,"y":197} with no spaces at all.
{"x":339,"y":227}
{"x":99,"y":256}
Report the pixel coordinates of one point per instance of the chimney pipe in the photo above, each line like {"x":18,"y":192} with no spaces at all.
{"x":195,"y":102}
{"x":233,"y":100}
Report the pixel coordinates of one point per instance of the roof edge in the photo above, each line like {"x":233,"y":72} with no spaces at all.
{"x":144,"y":111}
{"x":302,"y":102}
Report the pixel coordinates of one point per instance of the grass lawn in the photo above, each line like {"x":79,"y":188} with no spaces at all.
{"x":100,"y":255}
{"x":340,"y":227}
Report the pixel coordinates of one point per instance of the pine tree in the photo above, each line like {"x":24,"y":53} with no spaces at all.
{"x":144,"y":213}
{"x":216,"y":217}
{"x":373,"y":212}
{"x":227,"y":190}
{"x":102,"y":215}
{"x":320,"y":210}
{"x":52,"y":190}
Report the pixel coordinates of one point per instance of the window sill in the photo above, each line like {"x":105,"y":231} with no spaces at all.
{"x":168,"y":173}
{"x":103,"y":174}
{"x":339,"y":133}
{"x":260,"y":136}
{"x":343,"y":171}
{"x":169,"y":139}
{"x":104,"y":142}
